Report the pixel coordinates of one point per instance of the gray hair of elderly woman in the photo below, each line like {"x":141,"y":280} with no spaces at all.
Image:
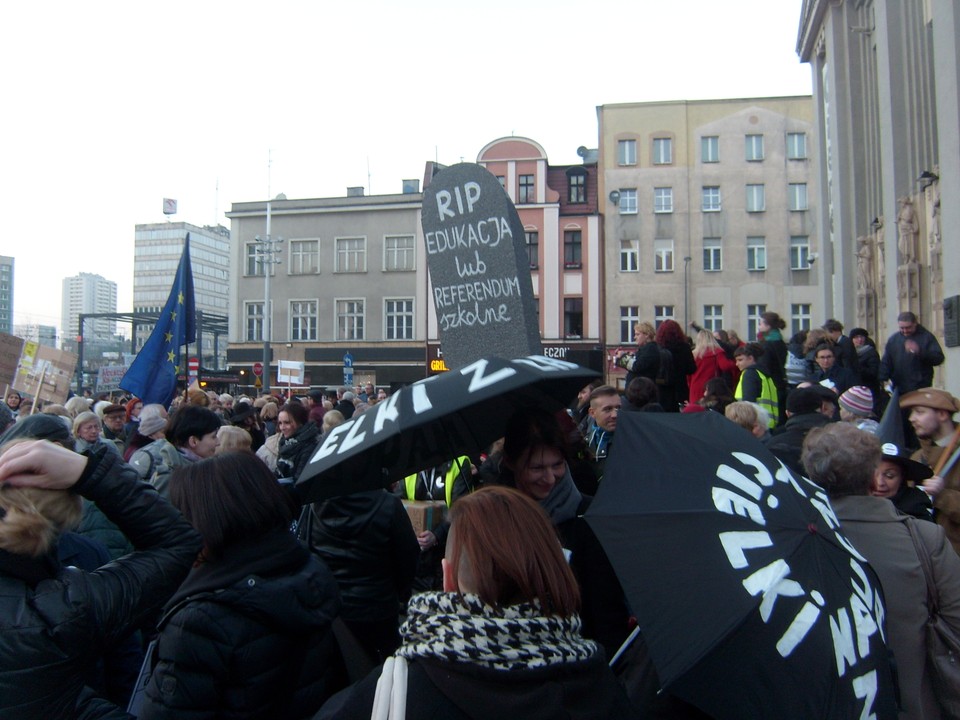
{"x":841,"y":459}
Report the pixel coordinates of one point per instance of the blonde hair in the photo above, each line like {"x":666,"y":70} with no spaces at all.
{"x":743,"y":414}
{"x":76,"y":405}
{"x":705,"y":343}
{"x":646,"y":328}
{"x":233,"y":438}
{"x":84,"y":418}
{"x":331,"y":418}
{"x":34,"y":518}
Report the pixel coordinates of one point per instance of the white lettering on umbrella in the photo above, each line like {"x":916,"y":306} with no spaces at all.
{"x":735,"y":542}
{"x":801,"y":625}
{"x":354,"y":436}
{"x":386,"y":411}
{"x":421,"y":401}
{"x":865,"y":688}
{"x":546,"y":364}
{"x":329,"y":445}
{"x":479,"y":381}
{"x":853,"y":624}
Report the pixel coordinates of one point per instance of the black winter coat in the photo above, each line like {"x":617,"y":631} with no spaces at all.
{"x":787,"y":443}
{"x":367,"y":541}
{"x":911,"y":371}
{"x":55,"y":621}
{"x":676,"y":390}
{"x":249,"y":636}
{"x":459,"y":691}
{"x":296,"y":451}
{"x":645,"y":363}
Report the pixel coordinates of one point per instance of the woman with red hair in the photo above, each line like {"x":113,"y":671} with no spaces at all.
{"x":672,"y":380}
{"x":503,"y":639}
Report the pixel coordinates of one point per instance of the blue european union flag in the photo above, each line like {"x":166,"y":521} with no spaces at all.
{"x":153,"y":375}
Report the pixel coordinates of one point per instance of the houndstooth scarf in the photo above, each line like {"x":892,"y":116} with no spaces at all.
{"x":456,"y":628}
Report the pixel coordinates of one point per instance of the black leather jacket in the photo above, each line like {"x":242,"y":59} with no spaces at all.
{"x":55,"y":621}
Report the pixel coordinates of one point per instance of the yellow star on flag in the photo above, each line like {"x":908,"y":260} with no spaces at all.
{"x":170,"y":356}
{"x":179,"y":298}
{"x":173,"y":316}
{"x":168,"y":336}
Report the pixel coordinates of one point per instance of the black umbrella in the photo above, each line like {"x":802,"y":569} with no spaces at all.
{"x":890,"y":429}
{"x":751,"y":603}
{"x":434,"y":420}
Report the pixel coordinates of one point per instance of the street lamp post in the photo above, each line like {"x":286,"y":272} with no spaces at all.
{"x":267,"y":251}
{"x":686,"y":291}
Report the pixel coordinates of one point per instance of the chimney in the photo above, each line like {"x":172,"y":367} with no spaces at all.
{"x":355,"y":191}
{"x":411,"y":187}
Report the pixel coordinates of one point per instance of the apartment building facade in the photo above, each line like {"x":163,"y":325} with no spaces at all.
{"x":708,"y":214}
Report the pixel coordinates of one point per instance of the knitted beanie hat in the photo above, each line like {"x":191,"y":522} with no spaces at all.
{"x":858,"y":400}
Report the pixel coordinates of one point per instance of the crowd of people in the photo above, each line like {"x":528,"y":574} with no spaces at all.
{"x":157,"y":562}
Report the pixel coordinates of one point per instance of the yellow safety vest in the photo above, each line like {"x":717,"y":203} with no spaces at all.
{"x":768,"y":396}
{"x":410,"y":482}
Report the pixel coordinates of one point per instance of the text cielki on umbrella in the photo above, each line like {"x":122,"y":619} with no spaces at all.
{"x":741,"y":495}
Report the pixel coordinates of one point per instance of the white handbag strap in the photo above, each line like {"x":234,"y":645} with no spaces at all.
{"x":390,"y":700}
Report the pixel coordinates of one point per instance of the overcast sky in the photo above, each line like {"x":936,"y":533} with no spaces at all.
{"x":111,"y":106}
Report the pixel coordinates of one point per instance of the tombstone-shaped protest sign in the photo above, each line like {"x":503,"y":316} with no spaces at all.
{"x":478,"y":268}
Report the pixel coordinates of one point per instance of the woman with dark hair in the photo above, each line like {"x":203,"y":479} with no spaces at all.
{"x":504,"y":577}
{"x":897,"y":477}
{"x":57,"y":620}
{"x":642,"y":394}
{"x":534,"y":461}
{"x":248,"y":634}
{"x":299,"y":438}
{"x":674,"y":391}
{"x":716,"y":396}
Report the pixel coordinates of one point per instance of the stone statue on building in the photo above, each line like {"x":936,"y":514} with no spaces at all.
{"x":907,"y":228}
{"x":881,"y":254}
{"x":864,"y":262}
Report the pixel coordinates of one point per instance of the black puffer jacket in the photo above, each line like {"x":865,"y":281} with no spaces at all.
{"x":60,"y":619}
{"x":296,"y":451}
{"x":249,"y":636}
{"x":367,"y":540}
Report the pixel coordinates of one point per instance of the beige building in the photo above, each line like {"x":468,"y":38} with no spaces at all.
{"x":710,"y":214}
{"x":348,"y":276}
{"x":885,"y":76}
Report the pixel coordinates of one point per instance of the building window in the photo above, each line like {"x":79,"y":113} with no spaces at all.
{"x":351,"y":255}
{"x":399,"y":253}
{"x":349,"y":319}
{"x":796,"y":146}
{"x":398,"y":319}
{"x":754,"y":146}
{"x":304,"y":257}
{"x":711,"y":198}
{"x":662,"y":151}
{"x":503,"y":181}
{"x":663,"y":255}
{"x":253,"y":264}
{"x":799,"y":252}
{"x":577,"y":187}
{"x":712,"y":255}
{"x":573,"y":317}
{"x":526,"y":189}
{"x":710,"y":149}
{"x":629,"y":317}
{"x":532,"y":239}
{"x":303,"y":319}
{"x":626,"y":152}
{"x":254,"y":316}
{"x":628,"y":201}
{"x":756,"y":253}
{"x":756,"y":200}
{"x":629,"y":256}
{"x":572,"y":248}
{"x":797,"y":196}
{"x":663,"y":199}
{"x":799,"y":317}
{"x":753,"y":320}
{"x":661,"y":313}
{"x":712,"y":317}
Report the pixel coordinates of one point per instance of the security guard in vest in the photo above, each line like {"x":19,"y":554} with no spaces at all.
{"x":754,"y":386}
{"x":447,"y":482}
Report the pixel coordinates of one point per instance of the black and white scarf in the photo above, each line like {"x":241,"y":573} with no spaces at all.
{"x":455,"y":628}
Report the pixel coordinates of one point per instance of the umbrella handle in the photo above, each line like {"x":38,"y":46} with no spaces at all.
{"x":947,"y":451}
{"x":626,"y":646}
